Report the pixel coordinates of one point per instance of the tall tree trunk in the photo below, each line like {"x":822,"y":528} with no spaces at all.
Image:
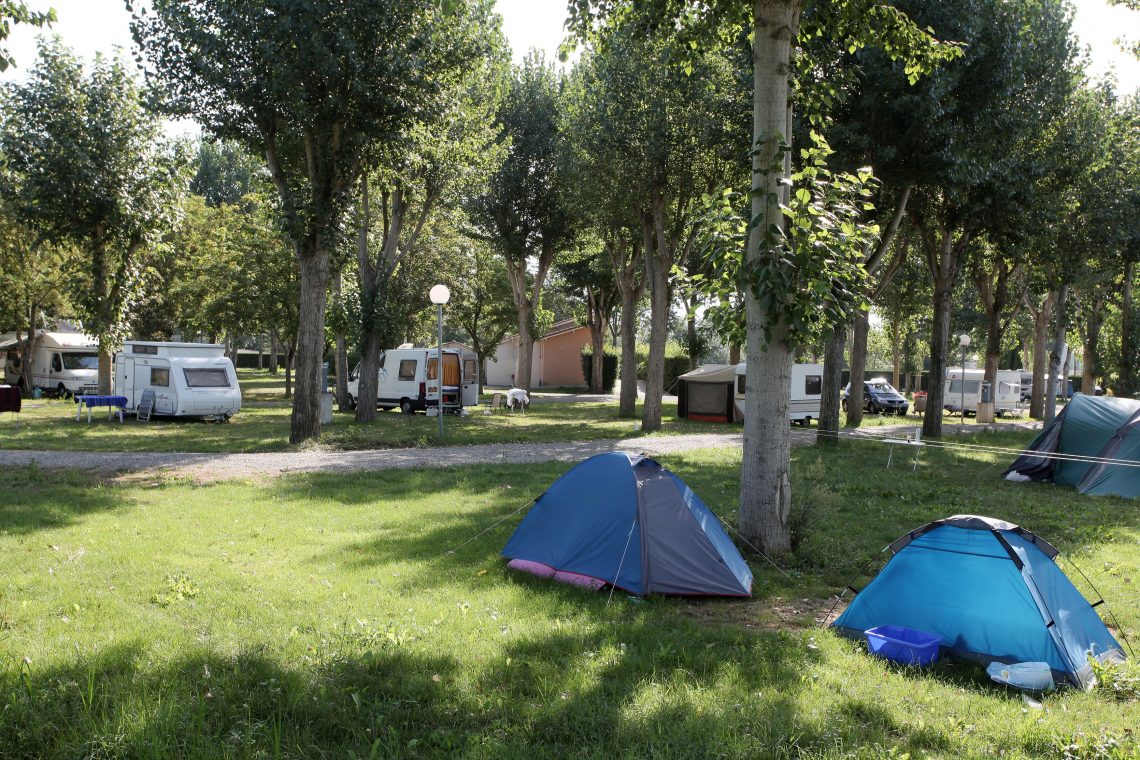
{"x":896,"y":353}
{"x":1129,"y":371}
{"x":657,"y":266}
{"x":939,"y":344}
{"x":25,"y":350}
{"x":341,"y":356}
{"x":858,"y":367}
{"x":828,"y":431}
{"x":290,"y":354}
{"x":1093,"y":323}
{"x":734,"y":353}
{"x":625,"y":255}
{"x":691,"y":332}
{"x":274,"y":351}
{"x":765,"y":482}
{"x":523,"y":368}
{"x":627,"y":401}
{"x":1041,"y":317}
{"x":313,"y":264}
{"x":597,"y":340}
{"x":1058,"y":356}
{"x":944,"y":259}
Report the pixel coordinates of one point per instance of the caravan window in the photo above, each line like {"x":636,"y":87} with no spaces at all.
{"x":137,"y":349}
{"x":81,"y":361}
{"x":206,"y":378}
{"x":160,"y":376}
{"x":813,"y":385}
{"x":407,"y":369}
{"x":972,"y":387}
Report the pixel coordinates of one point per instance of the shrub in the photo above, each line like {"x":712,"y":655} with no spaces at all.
{"x":610,"y":362}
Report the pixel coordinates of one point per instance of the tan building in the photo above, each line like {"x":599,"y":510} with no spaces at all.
{"x":556,"y":359}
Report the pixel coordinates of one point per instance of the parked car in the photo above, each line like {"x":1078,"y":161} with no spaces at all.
{"x":879,"y":397}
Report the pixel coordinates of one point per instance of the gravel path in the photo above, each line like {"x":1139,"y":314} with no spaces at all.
{"x":213,"y":467}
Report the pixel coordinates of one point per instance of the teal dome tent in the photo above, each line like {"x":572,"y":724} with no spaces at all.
{"x":992,"y":591}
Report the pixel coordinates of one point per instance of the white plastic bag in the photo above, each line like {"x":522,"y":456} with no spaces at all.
{"x":1031,"y":676}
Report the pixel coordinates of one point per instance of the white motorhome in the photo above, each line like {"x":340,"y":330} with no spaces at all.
{"x":408,"y":380}
{"x":63,"y":363}
{"x":806,"y":391}
{"x":966,"y":388}
{"x":177,"y":379}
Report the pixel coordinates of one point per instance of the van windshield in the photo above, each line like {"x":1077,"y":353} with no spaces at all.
{"x":80,"y":361}
{"x":207,"y":378}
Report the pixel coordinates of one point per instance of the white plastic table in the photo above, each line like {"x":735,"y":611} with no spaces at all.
{"x":892,"y":442}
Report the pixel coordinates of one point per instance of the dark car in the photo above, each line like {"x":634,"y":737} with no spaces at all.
{"x":879,"y":397}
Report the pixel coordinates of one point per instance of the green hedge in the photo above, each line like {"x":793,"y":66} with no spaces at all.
{"x":610,"y":361}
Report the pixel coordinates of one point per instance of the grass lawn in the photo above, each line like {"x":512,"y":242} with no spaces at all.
{"x":49,"y":424}
{"x":323,"y":616}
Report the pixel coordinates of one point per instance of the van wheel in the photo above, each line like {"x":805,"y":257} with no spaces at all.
{"x":351,"y":401}
{"x":62,"y":391}
{"x":805,"y":422}
{"x":406,"y":406}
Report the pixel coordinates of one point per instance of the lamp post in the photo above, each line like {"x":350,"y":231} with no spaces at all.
{"x":964,"y":342}
{"x":439,"y":295}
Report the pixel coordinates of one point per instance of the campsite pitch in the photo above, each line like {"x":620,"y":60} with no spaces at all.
{"x":322,"y":615}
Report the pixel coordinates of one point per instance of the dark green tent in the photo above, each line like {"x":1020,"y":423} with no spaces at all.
{"x":1092,"y":445}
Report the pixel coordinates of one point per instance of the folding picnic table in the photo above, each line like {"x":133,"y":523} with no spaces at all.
{"x":90,"y":401}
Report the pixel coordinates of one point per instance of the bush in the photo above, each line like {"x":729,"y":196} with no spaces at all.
{"x":676,"y":363}
{"x":610,"y":361}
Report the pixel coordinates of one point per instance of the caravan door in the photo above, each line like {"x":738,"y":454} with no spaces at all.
{"x":470,"y":394}
{"x":125,"y":379}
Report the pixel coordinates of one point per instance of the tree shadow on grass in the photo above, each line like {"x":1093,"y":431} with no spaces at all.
{"x":36,"y":500}
{"x":630,"y":688}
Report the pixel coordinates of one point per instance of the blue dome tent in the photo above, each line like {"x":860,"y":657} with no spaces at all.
{"x":626,"y":520}
{"x":992,"y":591}
{"x":1092,"y":445}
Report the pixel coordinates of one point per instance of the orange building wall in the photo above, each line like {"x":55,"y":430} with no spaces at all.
{"x":561,"y":358}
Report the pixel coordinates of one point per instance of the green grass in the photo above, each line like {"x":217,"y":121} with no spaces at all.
{"x":323,"y":616}
{"x":50,"y":424}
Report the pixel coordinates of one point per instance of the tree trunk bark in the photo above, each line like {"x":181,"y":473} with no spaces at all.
{"x":274,"y":350}
{"x":828,"y":431}
{"x":1058,"y":356}
{"x":765,"y":482}
{"x":25,"y":352}
{"x":939,"y":343}
{"x":368,"y":377}
{"x":1041,"y":319}
{"x":341,"y":360}
{"x":691,"y":331}
{"x":1129,"y":382}
{"x":734,"y":353}
{"x":290,"y":352}
{"x":1089,"y":373}
{"x":994,"y":335}
{"x":657,"y":267}
{"x":523,"y":368}
{"x":896,"y":354}
{"x":314,"y":275}
{"x":627,"y":402}
{"x":858,"y":367}
{"x":598,"y":360}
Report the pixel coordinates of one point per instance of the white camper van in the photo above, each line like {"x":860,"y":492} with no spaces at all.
{"x":968,"y":388}
{"x":806,"y":391}
{"x":63,"y":363}
{"x":183,"y":379}
{"x":408,"y":380}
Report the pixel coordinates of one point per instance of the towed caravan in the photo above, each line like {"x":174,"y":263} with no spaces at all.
{"x":407,"y":379}
{"x":1006,"y":396}
{"x":177,"y":380}
{"x":806,"y":392}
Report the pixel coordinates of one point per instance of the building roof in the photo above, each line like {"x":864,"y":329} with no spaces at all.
{"x":558,"y":328}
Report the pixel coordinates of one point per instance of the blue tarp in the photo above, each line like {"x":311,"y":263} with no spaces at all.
{"x":991,"y":590}
{"x":630,"y":522}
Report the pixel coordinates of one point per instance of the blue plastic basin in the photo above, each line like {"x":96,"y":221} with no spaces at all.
{"x":905,"y":646}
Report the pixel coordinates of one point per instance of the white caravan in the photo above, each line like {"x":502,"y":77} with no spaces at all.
{"x":408,"y":379}
{"x":1006,"y":396}
{"x":177,"y":379}
{"x":806,"y":391}
{"x":64,"y":363}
